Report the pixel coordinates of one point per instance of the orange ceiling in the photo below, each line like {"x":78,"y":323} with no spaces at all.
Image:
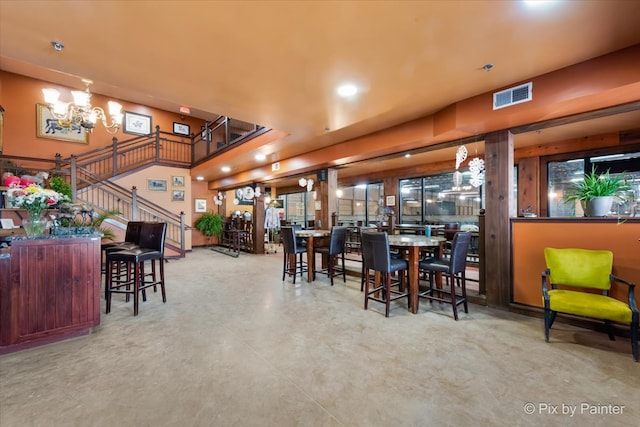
{"x":277,"y":63}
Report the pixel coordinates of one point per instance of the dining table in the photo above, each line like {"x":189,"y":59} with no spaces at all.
{"x":411,"y":245}
{"x":310,"y":235}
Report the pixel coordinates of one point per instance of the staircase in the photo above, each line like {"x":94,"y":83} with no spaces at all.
{"x":89,"y":173}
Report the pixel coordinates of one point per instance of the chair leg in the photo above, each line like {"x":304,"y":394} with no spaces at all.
{"x":366,"y":288}
{"x":464,"y":292}
{"x":548,"y":314}
{"x":136,"y":288}
{"x":107,"y":287}
{"x":162,"y":289}
{"x":284,"y":266}
{"x":609,"y":328}
{"x":344,"y":273}
{"x":634,"y":339}
{"x":452,"y":290}
{"x":330,"y":268}
{"x":387,"y":292}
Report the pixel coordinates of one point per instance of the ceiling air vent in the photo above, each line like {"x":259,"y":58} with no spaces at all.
{"x":512,"y":96}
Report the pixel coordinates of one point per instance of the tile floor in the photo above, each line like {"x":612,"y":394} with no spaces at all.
{"x":236,"y":346}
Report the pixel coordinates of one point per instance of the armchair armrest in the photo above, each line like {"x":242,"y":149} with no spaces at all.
{"x":632,"y":286}
{"x":545,"y":291}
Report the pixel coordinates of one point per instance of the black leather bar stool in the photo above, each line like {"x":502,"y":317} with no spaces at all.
{"x":151,"y":248}
{"x":376,"y":256}
{"x":336,"y":246}
{"x":292,"y":252}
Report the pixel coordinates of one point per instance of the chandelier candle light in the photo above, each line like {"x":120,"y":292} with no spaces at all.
{"x":80,"y":112}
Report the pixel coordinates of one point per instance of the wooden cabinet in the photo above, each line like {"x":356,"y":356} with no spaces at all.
{"x":49,"y":290}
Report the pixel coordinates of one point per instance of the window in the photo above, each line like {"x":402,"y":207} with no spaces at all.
{"x":563,"y":173}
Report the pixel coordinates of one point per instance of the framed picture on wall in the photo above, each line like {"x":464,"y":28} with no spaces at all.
{"x":178,"y":181}
{"x":177,"y":196}
{"x":47,"y":126}
{"x":181,"y":129}
{"x":138,"y":124}
{"x":157,"y":184}
{"x":391,"y":200}
{"x":201,"y":205}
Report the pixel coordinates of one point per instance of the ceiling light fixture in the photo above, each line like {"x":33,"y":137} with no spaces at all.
{"x":225,"y":169}
{"x":302,"y":182}
{"x":79,"y":113}
{"x":347,"y":90}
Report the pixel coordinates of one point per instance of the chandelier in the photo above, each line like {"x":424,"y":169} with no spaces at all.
{"x":80,"y":113}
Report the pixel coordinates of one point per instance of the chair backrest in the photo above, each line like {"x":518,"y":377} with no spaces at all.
{"x":375,"y":251}
{"x":582,"y":268}
{"x":288,"y":236}
{"x":337,"y":240}
{"x":152,"y":235}
{"x":132,"y":234}
{"x":459,"y":250}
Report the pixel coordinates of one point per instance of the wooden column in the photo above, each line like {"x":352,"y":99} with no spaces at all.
{"x":529,"y":184}
{"x":326,"y":195}
{"x":499,"y":208}
{"x":258,"y":223}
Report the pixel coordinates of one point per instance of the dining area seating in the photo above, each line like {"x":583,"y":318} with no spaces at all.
{"x":335,"y":247}
{"x":376,"y":256}
{"x":453,"y":269}
{"x":293,"y":262}
{"x":125,"y":272}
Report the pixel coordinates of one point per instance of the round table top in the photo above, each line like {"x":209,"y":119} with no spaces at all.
{"x":414,"y":240}
{"x":313,"y":233}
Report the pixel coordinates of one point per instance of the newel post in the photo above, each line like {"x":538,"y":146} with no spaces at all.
{"x":74,"y":180}
{"x":114,"y":155}
{"x":134,"y":203}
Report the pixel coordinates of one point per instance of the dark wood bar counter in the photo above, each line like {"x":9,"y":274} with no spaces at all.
{"x":49,"y":290}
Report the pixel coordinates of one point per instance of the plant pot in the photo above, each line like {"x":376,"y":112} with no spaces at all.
{"x":34,"y":227}
{"x":598,"y":206}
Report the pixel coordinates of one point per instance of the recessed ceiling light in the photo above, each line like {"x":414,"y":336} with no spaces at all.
{"x":225,"y":169}
{"x":347,"y":90}
{"x":200,"y":178}
{"x":408,"y":155}
{"x":260,"y":157}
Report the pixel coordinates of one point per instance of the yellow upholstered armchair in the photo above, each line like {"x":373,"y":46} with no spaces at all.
{"x":578,"y":270}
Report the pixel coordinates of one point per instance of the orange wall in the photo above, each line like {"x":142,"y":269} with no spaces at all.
{"x":531,"y":236}
{"x":19,"y":96}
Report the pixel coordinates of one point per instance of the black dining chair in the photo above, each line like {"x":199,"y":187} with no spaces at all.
{"x":292,"y":253}
{"x":336,"y":246}
{"x":150,"y":248}
{"x":376,"y":256}
{"x":454,"y":268}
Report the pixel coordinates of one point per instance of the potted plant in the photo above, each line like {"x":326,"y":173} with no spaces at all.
{"x":596,"y":192}
{"x":210,"y":224}
{"x":57,"y":183}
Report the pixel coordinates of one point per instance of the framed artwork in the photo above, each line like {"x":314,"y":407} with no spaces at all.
{"x":157,"y":184}
{"x":205,"y":133}
{"x":178,"y":181}
{"x":177,"y":196}
{"x":47,"y":127}
{"x":391,"y":200}
{"x":1,"y":125}
{"x":201,"y":205}
{"x":138,"y":124}
{"x":181,"y":129}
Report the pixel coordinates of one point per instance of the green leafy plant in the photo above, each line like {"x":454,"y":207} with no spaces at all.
{"x":58,"y":184}
{"x":597,"y":185}
{"x":210,"y":224}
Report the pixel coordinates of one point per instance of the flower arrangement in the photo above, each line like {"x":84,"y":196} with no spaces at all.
{"x":34,"y":199}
